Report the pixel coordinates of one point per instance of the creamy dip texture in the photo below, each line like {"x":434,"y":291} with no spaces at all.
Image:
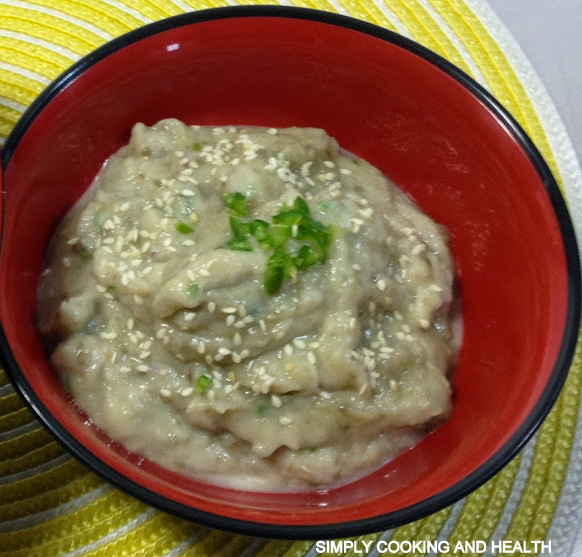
{"x":251,"y":306}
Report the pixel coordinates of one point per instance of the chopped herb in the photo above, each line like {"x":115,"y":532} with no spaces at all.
{"x":193,"y":290}
{"x":325,"y":205}
{"x":240,"y":243}
{"x":183,"y":228}
{"x":197,"y":147}
{"x":236,"y":202}
{"x":296,"y":239}
{"x":85,"y":251}
{"x":264,"y":409}
{"x":260,"y":230}
{"x":275,"y":273}
{"x":202,"y":383}
{"x":239,"y":228}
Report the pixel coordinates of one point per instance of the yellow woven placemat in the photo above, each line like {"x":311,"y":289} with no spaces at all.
{"x":51,"y":505}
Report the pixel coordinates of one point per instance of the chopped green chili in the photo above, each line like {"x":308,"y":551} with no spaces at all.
{"x":193,"y":290}
{"x":296,"y":239}
{"x":236,"y":202}
{"x":183,"y":228}
{"x":202,"y":384}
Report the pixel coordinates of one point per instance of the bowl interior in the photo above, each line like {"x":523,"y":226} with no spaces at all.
{"x":452,"y":153}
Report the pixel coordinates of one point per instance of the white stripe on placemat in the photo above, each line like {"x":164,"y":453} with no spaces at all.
{"x":54,"y":512}
{"x":14,"y":105}
{"x":384,"y":537}
{"x":476,"y":72}
{"x":40,"y":469}
{"x":121,"y":531}
{"x":253,"y":547}
{"x":187,"y":544}
{"x":63,"y":51}
{"x":20,"y":430}
{"x":392,"y":17}
{"x":6,"y":390}
{"x":30,"y":74}
{"x":83,"y":24}
{"x":123,"y":8}
{"x":183,"y":5}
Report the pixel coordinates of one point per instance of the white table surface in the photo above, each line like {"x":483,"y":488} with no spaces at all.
{"x":550,"y":34}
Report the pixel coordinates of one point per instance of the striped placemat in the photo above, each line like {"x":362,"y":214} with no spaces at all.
{"x":51,"y":505}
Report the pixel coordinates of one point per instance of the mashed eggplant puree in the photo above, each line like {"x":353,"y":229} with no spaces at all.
{"x":251,"y":306}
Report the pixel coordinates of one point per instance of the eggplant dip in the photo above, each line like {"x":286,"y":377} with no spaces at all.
{"x":252,"y":307}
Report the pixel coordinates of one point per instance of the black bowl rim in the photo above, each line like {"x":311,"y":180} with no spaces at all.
{"x":351,"y":527}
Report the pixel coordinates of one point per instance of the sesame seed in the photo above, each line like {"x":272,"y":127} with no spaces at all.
{"x":381,"y":285}
{"x":187,"y":391}
{"x":204,"y":273}
{"x":211,"y":307}
{"x":288,"y":349}
{"x":276,"y":401}
{"x":329,"y":164}
{"x":143,"y":368}
{"x":311,"y":357}
{"x":187,"y":193}
{"x":125,"y":369}
{"x":189,"y":316}
{"x":352,"y":322}
{"x":230,"y":320}
{"x":356,"y":267}
{"x":242,"y":310}
{"x":237,"y":339}
{"x":165,"y":393}
{"x":285,"y":420}
{"x":229,"y":310}
{"x":224,"y":351}
{"x":263,"y":325}
{"x":108,"y":336}
{"x":366,"y":213}
{"x":299,"y":343}
{"x":345,"y":171}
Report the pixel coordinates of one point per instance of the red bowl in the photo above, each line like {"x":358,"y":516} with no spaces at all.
{"x":426,"y":125}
